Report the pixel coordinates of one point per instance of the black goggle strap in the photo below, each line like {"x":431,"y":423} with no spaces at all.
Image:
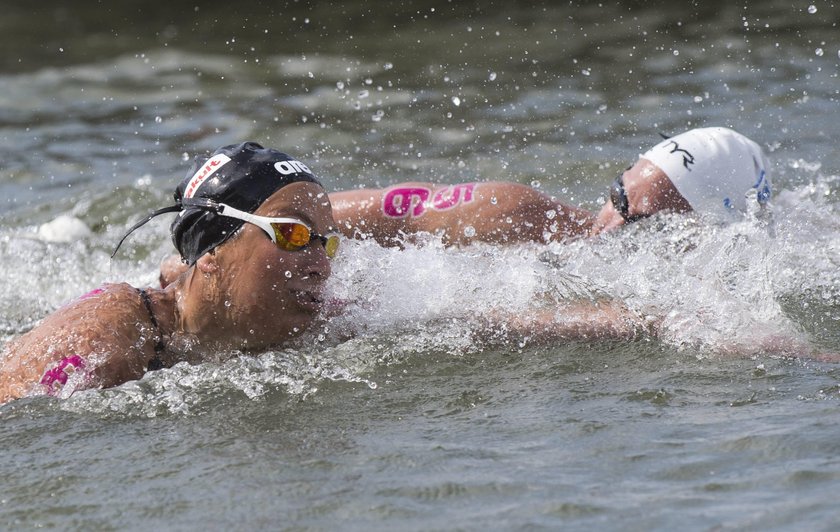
{"x":618,"y":197}
{"x":144,"y":221}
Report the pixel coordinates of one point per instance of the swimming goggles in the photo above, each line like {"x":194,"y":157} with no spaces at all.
{"x":288,"y":234}
{"x":618,"y":197}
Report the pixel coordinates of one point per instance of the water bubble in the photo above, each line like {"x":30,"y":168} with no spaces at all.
{"x":812,"y":9}
{"x":227,"y":303}
{"x":550,"y":214}
{"x":535,"y":184}
{"x":676,"y":52}
{"x":388,"y":66}
{"x":456,"y":101}
{"x":469,"y":231}
{"x":339,"y":85}
{"x":586,"y":72}
{"x":159,"y":120}
{"x":377,"y":116}
{"x":185,"y":156}
{"x":288,"y":274}
{"x":493,"y":200}
{"x":363,"y":94}
{"x":492,"y":76}
{"x":819,"y":52}
{"x":698,"y":99}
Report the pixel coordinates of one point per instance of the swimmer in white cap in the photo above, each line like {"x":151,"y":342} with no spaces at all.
{"x":714,"y":171}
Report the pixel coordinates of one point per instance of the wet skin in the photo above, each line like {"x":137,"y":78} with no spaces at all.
{"x":237,"y":297}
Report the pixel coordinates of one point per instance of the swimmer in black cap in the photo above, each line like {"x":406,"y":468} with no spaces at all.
{"x":255,"y":227}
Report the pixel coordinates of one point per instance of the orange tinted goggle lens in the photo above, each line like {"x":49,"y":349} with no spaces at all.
{"x":291,"y":237}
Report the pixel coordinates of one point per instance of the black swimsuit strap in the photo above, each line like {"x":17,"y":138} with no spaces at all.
{"x":156,"y":362}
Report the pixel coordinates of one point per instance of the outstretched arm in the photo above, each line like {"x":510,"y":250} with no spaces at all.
{"x":583,"y":320}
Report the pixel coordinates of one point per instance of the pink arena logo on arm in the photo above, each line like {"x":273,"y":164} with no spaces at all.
{"x":400,"y":202}
{"x":405,"y":201}
{"x":452,"y":196}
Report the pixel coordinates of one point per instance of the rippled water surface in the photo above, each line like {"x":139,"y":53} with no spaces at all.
{"x":420,"y":421}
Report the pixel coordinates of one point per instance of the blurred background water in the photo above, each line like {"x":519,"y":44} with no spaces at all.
{"x":418,"y":422}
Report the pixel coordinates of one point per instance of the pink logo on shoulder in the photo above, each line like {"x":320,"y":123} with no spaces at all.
{"x":404,"y":201}
{"x":400,"y":202}
{"x":452,"y":196}
{"x":56,"y":377}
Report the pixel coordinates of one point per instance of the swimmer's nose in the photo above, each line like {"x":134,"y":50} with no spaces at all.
{"x":318,"y":263}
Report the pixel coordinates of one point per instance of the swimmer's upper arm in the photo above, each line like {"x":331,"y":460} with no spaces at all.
{"x":102,"y":330}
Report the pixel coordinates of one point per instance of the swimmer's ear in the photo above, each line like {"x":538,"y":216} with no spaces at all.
{"x":207,"y":263}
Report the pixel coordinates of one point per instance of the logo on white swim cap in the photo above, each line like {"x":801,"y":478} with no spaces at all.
{"x":714,"y":169}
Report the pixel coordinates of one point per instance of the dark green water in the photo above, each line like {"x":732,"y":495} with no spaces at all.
{"x":418,"y":423}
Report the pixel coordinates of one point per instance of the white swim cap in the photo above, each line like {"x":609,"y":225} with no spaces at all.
{"x":714,"y":169}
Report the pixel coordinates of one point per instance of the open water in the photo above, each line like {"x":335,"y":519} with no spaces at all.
{"x":419,"y":421}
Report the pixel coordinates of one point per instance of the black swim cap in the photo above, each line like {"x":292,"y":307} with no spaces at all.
{"x":240,"y":175}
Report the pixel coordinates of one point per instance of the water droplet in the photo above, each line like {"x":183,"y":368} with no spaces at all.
{"x":812,"y":9}
{"x":550,"y":214}
{"x":363,"y":94}
{"x":535,"y":184}
{"x":469,"y":231}
{"x":819,"y":52}
{"x":698,"y":99}
{"x":288,"y":274}
{"x":493,"y":200}
{"x":676,"y":52}
{"x":586,"y":72}
{"x":492,"y":76}
{"x":159,"y":120}
{"x":227,"y":303}
{"x":185,"y":156}
{"x":456,"y":101}
{"x":388,"y":66}
{"x":339,"y":85}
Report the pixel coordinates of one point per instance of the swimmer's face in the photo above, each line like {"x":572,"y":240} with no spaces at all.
{"x":273,"y":293}
{"x":647,"y":190}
